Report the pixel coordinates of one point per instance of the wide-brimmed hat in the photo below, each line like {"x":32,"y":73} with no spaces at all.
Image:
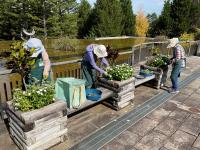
{"x":173,"y":42}
{"x":35,"y":43}
{"x":100,"y":51}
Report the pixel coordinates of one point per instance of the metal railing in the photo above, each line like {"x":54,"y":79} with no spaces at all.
{"x":9,"y":81}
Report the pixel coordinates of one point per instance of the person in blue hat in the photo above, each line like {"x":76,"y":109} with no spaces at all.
{"x":40,"y":70}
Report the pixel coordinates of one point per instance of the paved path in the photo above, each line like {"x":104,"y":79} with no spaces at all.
{"x":173,"y":126}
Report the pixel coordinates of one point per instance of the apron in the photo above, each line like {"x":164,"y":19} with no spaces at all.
{"x":37,"y":70}
{"x":89,"y":74}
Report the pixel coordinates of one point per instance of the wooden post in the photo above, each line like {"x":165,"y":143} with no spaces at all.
{"x":140,"y":53}
{"x":189,"y":48}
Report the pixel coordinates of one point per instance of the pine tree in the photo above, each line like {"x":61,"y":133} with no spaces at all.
{"x":107,"y":17}
{"x":84,"y":12}
{"x":152,"y":17}
{"x":180,"y":17}
{"x":128,"y":20}
{"x":194,"y":15}
{"x":165,"y":20}
{"x":153,"y":23}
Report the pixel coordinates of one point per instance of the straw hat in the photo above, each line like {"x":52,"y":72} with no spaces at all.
{"x":100,"y":51}
{"x":35,"y":43}
{"x":173,"y":42}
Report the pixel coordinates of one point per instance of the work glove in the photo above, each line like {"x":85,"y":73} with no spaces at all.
{"x":45,"y":76}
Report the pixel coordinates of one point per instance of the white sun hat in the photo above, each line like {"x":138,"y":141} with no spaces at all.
{"x":173,"y":42}
{"x":34,"y":43}
{"x":100,"y":51}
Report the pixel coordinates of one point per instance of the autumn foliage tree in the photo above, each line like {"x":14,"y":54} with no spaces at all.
{"x":142,"y":24}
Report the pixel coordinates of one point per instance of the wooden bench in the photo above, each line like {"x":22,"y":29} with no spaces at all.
{"x":139,"y":81}
{"x":106,"y":93}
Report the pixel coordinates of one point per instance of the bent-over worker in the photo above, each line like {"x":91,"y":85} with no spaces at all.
{"x":89,"y":66}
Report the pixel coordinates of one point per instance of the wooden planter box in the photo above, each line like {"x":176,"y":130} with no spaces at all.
{"x":158,"y":75}
{"x":123,"y":92}
{"x":38,"y":129}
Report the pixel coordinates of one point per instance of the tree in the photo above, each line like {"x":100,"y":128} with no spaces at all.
{"x":47,"y":17}
{"x":153,"y":25}
{"x":141,"y":24}
{"x":107,"y":17}
{"x":128,"y":20}
{"x":165,"y":20}
{"x":180,"y":17}
{"x":66,"y":15}
{"x":194,"y":15}
{"x":84,"y":12}
{"x":152,"y":17}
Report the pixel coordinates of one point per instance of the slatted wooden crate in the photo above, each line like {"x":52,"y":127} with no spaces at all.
{"x":123,"y":92}
{"x":38,"y":129}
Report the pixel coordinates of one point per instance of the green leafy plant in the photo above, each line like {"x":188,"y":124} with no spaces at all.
{"x":120,"y":72}
{"x":157,"y":61}
{"x":21,"y":60}
{"x":36,"y":96}
{"x":155,"y":51}
{"x":146,"y":71}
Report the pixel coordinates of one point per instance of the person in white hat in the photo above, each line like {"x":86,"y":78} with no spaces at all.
{"x":41,"y":68}
{"x":89,"y":66}
{"x":178,"y":61}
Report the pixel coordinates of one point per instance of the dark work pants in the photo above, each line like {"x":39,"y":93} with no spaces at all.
{"x":176,"y":69}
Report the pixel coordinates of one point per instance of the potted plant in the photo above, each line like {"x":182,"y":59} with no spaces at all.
{"x":36,"y":119}
{"x":146,"y":72}
{"x":121,"y":81}
{"x":20,"y":60}
{"x":158,"y":64}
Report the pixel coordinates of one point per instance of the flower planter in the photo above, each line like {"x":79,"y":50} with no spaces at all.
{"x":123,"y":92}
{"x":38,"y":129}
{"x":146,"y":74}
{"x":158,"y":75}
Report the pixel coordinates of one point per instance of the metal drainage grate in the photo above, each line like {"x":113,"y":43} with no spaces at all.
{"x":116,"y":127}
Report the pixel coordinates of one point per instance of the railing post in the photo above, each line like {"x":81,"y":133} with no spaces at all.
{"x":140,"y":53}
{"x":133,"y":50}
{"x":189,"y":48}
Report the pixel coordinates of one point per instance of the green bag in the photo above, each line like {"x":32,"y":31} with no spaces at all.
{"x":71,"y":90}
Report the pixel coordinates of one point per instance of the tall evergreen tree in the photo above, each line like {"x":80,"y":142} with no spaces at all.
{"x":165,"y":20}
{"x":128,"y":20}
{"x":108,"y":18}
{"x":152,"y":17}
{"x":194,"y":15}
{"x":84,"y":12}
{"x":180,"y":16}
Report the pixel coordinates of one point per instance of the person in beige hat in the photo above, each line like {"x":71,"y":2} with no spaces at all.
{"x":89,"y":66}
{"x":178,"y":62}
